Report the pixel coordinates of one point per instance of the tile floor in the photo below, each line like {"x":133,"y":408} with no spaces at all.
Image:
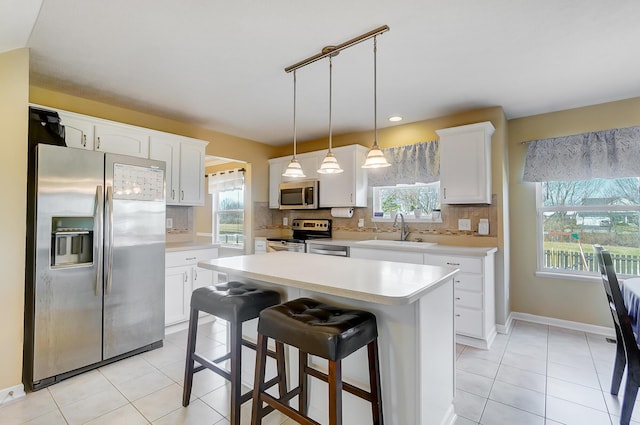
{"x":536,"y":375}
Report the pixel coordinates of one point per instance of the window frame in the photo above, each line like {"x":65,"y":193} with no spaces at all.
{"x":215,"y":218}
{"x":426,"y":218}
{"x":541,"y":271}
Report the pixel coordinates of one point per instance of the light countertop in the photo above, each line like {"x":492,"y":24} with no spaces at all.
{"x":395,"y":245}
{"x":381,"y":282}
{"x":186,"y":246}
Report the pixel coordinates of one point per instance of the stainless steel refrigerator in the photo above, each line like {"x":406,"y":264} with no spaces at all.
{"x":95,"y":261}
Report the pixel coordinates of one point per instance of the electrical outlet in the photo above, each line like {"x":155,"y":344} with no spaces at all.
{"x":285,"y":221}
{"x":464,"y":224}
{"x":361,"y":222}
{"x":169,"y":223}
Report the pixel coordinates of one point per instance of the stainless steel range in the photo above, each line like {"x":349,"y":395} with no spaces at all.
{"x":303,"y":229}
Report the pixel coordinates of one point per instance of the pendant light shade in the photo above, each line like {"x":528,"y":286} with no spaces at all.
{"x":330,"y":163}
{"x":294,"y":169}
{"x":375,"y":157}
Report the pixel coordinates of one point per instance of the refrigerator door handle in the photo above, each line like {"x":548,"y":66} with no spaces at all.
{"x":109,"y":270}
{"x":98,"y":240}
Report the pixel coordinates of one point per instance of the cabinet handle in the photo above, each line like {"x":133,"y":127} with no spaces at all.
{"x":458,"y":298}
{"x":457,"y":315}
{"x":84,"y":140}
{"x":185,"y":277}
{"x":444,"y":193}
{"x":190,"y":258}
{"x":173,"y":194}
{"x":182,"y":194}
{"x":98,"y":145}
{"x":351,"y":197}
{"x":195,"y":274}
{"x":452,"y":264}
{"x":456,"y":281}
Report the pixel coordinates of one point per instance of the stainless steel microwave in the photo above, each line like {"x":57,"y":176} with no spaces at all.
{"x":299,"y":195}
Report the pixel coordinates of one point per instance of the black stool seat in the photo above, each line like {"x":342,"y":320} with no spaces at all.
{"x":233,"y":301}
{"x":320,"y":329}
{"x":236,"y":303}
{"x":325,"y":331}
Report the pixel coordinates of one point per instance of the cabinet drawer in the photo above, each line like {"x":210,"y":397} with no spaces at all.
{"x":465,"y":264}
{"x":469,"y":322}
{"x":181,"y":258}
{"x":468,"y":282}
{"x":468,"y":299}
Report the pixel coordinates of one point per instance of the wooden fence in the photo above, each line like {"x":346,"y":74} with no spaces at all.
{"x":571,"y":260}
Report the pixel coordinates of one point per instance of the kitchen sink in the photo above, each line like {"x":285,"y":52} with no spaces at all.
{"x":395,"y":244}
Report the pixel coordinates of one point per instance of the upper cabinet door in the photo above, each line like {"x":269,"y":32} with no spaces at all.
{"x":168,"y":150}
{"x":465,"y":164}
{"x":349,"y":188}
{"x":78,"y":132}
{"x":192,"y":156}
{"x":122,"y":140}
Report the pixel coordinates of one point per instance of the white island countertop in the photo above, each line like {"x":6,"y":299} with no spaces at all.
{"x":381,"y":282}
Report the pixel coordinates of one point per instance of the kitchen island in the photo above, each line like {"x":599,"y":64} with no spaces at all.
{"x":414,"y":309}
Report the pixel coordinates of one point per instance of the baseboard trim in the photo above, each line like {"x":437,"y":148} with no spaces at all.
{"x":181,"y":326}
{"x":567,"y":324}
{"x":11,"y":393}
{"x":506,"y":328}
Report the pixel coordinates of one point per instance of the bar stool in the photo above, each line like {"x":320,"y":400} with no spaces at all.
{"x":322,"y":330}
{"x":236,"y":303}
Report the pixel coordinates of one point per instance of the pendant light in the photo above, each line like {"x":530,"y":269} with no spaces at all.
{"x":330,"y":163}
{"x":294,"y":169}
{"x":375,"y":157}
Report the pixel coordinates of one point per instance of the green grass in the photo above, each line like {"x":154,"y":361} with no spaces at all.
{"x":588,"y":248}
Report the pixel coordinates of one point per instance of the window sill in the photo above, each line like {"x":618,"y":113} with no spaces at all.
{"x":569,"y":276}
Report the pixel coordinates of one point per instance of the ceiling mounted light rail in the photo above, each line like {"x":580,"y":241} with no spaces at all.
{"x":375,"y":158}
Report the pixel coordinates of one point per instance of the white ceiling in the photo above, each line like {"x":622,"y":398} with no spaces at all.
{"x":220,"y":64}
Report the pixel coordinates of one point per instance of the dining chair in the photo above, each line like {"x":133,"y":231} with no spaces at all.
{"x":627,"y":352}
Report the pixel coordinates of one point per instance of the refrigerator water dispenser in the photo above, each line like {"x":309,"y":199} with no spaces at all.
{"x":71,"y":241}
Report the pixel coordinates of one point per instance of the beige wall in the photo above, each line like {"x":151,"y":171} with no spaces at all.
{"x":560,"y":298}
{"x":14,"y":98}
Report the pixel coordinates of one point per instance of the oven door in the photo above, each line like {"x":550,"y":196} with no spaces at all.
{"x":275,"y":246}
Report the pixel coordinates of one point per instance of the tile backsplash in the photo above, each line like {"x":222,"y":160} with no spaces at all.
{"x":268,"y":221}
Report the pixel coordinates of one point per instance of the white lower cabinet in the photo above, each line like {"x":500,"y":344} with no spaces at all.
{"x":182,"y":276}
{"x":474,"y":288}
{"x":387,"y":255}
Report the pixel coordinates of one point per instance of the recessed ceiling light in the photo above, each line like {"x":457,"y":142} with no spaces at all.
{"x":395,"y":118}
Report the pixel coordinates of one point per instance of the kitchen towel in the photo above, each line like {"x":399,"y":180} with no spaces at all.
{"x":342,"y":212}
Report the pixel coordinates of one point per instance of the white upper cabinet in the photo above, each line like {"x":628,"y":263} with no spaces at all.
{"x":167,"y":149}
{"x":349,"y":188}
{"x":124,"y":140}
{"x":465,"y":164}
{"x":185,"y":167}
{"x":310,"y":162}
{"x":192,"y":157}
{"x":184,"y":156}
{"x":78,"y":131}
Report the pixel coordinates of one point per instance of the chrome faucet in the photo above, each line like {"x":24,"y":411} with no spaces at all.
{"x":404,"y":227}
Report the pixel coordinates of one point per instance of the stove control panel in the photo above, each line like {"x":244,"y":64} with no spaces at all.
{"x":311,"y":224}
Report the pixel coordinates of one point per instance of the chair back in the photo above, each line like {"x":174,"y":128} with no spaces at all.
{"x":619,"y":312}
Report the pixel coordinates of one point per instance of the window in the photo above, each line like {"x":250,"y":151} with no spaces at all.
{"x":578,"y":213}
{"x":227,"y":190}
{"x":416,"y":201}
{"x":229,"y":217}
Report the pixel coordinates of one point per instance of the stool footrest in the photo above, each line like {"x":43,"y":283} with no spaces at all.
{"x":206,"y":363}
{"x":278,"y":404}
{"x":357,"y":391}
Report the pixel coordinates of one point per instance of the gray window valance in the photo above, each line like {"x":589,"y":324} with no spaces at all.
{"x":418,"y":163}
{"x":602,"y":154}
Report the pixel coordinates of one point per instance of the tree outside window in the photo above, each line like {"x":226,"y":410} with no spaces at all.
{"x":587,"y":212}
